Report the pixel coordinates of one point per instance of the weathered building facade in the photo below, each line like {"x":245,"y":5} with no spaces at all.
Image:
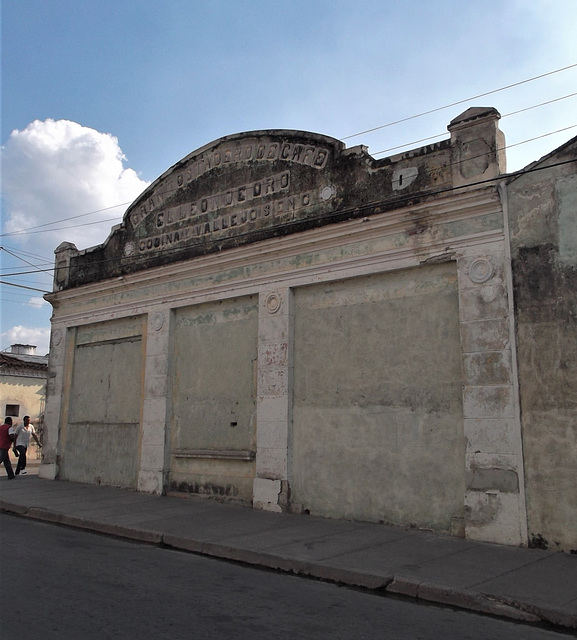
{"x":542,"y":211}
{"x":288,"y":323}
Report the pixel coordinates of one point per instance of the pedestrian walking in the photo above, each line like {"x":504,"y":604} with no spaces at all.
{"x":6,"y":440}
{"x":22,"y":435}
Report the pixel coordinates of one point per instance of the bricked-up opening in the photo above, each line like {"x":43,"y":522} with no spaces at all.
{"x":371,"y":393}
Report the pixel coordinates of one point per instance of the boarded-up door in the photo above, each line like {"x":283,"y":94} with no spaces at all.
{"x":101,"y":439}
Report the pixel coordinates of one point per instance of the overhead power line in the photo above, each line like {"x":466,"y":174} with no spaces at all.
{"x":367,"y":206}
{"x":535,"y":106}
{"x":509,"y":146}
{"x":453,"y":104}
{"x":82,"y":215}
{"x":14,"y":255}
{"x":37,"y":267}
{"x":27,"y":254}
{"x":34,"y":230}
{"x":512,"y":113}
{"x":21,"y":286}
{"x":18,"y":274}
{"x":38,"y":228}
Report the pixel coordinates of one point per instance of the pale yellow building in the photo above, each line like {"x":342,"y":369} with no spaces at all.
{"x":23,"y":377}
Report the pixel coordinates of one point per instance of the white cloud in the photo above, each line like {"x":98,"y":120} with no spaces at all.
{"x":53,"y":171}
{"x":40,"y":338}
{"x":36,"y":302}
{"x":58,"y":169}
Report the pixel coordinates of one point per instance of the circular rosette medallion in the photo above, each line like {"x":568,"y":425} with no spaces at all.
{"x":481,"y":270}
{"x":158,"y":321}
{"x":273,"y":303}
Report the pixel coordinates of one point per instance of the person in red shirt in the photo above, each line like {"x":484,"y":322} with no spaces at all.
{"x":6,"y":439}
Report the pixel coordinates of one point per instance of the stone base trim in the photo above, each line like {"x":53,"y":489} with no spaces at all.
{"x":48,"y":471}
{"x":267,"y":494}
{"x":151,"y":482}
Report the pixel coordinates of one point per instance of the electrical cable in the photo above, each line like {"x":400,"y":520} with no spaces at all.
{"x":32,"y":231}
{"x":19,"y":258}
{"x":512,"y":113}
{"x":21,"y":286}
{"x":25,"y":273}
{"x":340,"y":213}
{"x":23,"y":302}
{"x":110,"y":220}
{"x":508,"y":146}
{"x":453,"y":104}
{"x":541,"y":104}
{"x":25,"y":253}
{"x":74,"y":226}
{"x":82,"y":215}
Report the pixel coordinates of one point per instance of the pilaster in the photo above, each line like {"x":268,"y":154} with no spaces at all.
{"x":55,"y":390}
{"x":494,"y":500}
{"x":153,"y":453}
{"x":274,"y":383}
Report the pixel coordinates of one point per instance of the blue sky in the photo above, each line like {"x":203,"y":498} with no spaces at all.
{"x":100,"y":97}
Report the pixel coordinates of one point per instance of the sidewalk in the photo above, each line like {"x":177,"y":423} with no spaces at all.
{"x":523,"y":584}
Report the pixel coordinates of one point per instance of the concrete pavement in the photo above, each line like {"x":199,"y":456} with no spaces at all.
{"x":529,"y":585}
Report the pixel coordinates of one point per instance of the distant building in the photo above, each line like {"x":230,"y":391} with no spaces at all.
{"x":288,"y":323}
{"x":23,"y":377}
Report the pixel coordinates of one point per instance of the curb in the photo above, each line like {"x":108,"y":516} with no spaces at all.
{"x":278,"y":563}
{"x":138,"y":535}
{"x":484,"y":603}
{"x":53,"y":517}
{"x":464,"y":599}
{"x":425,"y":592}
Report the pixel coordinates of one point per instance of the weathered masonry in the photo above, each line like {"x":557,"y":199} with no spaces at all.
{"x":288,"y":323}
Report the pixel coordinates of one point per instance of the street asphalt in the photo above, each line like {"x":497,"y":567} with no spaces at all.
{"x":530,"y":585}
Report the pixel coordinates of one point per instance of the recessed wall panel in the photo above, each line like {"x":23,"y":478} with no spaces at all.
{"x":213,"y":421}
{"x":378,"y":419}
{"x":104,"y":405}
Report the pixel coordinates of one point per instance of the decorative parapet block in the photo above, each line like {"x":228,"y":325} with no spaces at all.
{"x":477,"y":146}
